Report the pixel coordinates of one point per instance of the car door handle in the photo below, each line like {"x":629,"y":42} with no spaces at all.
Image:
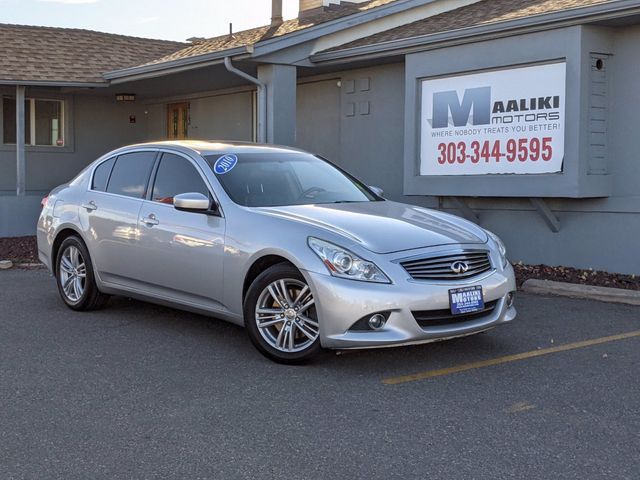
{"x":150,"y":221}
{"x":90,"y":206}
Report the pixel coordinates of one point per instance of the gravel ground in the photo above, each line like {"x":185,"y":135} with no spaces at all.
{"x":19,"y":249}
{"x":574,"y":275}
{"x":24,"y":250}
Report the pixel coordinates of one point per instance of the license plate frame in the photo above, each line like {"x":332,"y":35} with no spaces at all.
{"x":466,"y":300}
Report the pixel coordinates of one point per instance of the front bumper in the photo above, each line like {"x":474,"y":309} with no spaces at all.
{"x":341,"y":302}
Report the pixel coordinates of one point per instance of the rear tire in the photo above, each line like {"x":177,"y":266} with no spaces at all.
{"x":75,"y":278}
{"x":280,"y":315}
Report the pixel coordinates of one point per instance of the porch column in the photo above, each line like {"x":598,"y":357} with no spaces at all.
{"x":21,"y":171}
{"x":281,"y":102}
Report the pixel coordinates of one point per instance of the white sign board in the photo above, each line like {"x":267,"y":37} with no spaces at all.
{"x":505,"y":121}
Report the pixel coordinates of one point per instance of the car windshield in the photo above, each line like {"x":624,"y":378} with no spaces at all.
{"x":279,"y":179}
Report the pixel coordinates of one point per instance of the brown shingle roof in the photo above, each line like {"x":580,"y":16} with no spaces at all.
{"x":480,"y":13}
{"x":255,"y":35}
{"x":49,"y":54}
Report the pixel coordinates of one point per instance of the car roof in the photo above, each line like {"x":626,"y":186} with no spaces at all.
{"x":213,"y":147}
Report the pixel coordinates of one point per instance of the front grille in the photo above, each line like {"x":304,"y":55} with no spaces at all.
{"x":440,"y":318}
{"x":440,"y":267}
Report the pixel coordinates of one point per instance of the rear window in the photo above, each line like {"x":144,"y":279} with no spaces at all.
{"x":101,"y":175}
{"x":131,"y":173}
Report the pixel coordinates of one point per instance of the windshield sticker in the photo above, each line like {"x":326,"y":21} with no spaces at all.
{"x":225,"y":164}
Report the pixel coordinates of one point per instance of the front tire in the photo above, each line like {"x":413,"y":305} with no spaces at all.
{"x":281,"y":317}
{"x":74,"y":277}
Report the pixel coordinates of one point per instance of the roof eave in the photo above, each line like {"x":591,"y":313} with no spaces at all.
{"x":555,"y":19}
{"x":173,"y":66}
{"x":53,"y":83}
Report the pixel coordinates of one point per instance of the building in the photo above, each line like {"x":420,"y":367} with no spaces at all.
{"x":519,"y":115}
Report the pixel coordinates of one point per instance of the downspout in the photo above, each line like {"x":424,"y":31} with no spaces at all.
{"x":262,"y":98}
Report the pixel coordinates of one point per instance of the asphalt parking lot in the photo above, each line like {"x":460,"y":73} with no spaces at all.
{"x":141,"y":391}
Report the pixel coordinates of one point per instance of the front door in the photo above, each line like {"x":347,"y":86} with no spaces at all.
{"x":181,"y":253}
{"x":178,"y":121}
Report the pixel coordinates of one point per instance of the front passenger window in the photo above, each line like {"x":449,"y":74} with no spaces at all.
{"x":176,"y":175}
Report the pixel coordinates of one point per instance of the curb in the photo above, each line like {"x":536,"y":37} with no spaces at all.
{"x":30,"y":265}
{"x":8,"y":265}
{"x":588,"y":292}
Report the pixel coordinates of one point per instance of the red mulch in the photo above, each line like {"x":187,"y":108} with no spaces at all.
{"x":24,"y":250}
{"x":19,"y":249}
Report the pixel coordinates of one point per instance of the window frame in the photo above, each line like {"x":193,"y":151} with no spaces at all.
{"x":93,"y":174}
{"x":117,"y":157}
{"x":154,"y":177}
{"x":29,"y":143}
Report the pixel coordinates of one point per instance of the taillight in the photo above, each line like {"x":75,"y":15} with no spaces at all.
{"x":44,"y":201}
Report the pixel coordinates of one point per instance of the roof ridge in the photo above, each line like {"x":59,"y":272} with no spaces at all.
{"x":289,"y":26}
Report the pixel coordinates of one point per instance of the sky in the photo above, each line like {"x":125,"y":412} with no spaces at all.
{"x":163,"y":19}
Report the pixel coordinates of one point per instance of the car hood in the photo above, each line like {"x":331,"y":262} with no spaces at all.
{"x":384,"y":227}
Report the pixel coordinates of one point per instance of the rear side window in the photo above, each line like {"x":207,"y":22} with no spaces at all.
{"x":101,"y":175}
{"x":131,"y":173}
{"x":176,"y":175}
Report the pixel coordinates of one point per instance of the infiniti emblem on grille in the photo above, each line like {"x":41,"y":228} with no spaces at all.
{"x":459,"y":267}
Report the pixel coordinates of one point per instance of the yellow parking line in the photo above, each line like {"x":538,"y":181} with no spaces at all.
{"x":508,"y":358}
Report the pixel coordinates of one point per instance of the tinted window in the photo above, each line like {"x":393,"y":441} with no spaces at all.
{"x":130,"y":174}
{"x":101,"y":175}
{"x":176,"y":175}
{"x":270,"y":179}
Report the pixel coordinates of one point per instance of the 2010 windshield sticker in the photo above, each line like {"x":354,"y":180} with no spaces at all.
{"x":225,"y":164}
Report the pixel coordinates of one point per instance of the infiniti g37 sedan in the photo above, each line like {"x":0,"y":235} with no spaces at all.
{"x":280,"y":241}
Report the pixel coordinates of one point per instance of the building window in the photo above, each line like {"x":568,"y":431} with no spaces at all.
{"x":44,"y":121}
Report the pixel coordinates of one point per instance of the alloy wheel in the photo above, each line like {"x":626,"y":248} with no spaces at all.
{"x":286,"y":315}
{"x":73,"y":273}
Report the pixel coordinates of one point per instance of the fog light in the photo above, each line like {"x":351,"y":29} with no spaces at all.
{"x":377,"y":321}
{"x":510,"y":298}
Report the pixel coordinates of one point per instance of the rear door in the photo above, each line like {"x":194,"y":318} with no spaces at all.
{"x":181,"y":253}
{"x":110,"y":212}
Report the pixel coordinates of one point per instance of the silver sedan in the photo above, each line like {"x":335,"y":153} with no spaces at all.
{"x":280,"y":241}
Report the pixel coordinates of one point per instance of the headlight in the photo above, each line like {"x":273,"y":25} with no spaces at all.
{"x":501,"y":248}
{"x":345,"y":264}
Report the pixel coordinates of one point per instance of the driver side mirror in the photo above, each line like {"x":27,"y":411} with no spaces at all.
{"x":377,"y":190}
{"x":194,"y":202}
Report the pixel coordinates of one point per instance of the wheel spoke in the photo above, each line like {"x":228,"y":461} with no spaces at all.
{"x":270,"y":311}
{"x":285,"y":293}
{"x":78,"y":287}
{"x":310,"y":335}
{"x":281,"y":338}
{"x":306,"y":306}
{"x":299,"y":296}
{"x":291,"y":335}
{"x":308,"y":320}
{"x":274,"y":294}
{"x":73,"y":253}
{"x":65,"y":264}
{"x":68,"y":287}
{"x":269,"y":323}
{"x":67,"y":282}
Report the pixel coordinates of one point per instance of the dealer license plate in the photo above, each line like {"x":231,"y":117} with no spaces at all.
{"x":466,"y":300}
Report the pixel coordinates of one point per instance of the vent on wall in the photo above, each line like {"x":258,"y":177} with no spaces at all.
{"x":598,"y":113}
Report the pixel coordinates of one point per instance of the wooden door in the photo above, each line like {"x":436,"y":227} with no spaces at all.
{"x":178,"y":121}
